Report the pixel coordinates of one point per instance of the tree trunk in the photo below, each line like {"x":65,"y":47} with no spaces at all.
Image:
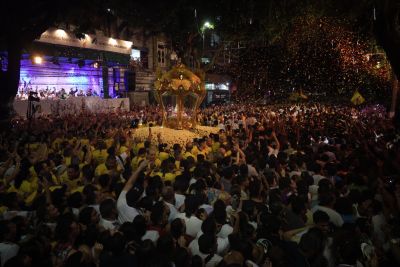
{"x":9,"y":80}
{"x":395,"y":92}
{"x":388,"y":33}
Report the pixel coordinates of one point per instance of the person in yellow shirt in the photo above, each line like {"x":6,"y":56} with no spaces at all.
{"x":188,"y":151}
{"x":167,"y":172}
{"x":154,"y":162}
{"x":72,"y":177}
{"x":137,"y":144}
{"x":215,"y":144}
{"x":124,"y":146}
{"x":110,"y":167}
{"x":100,"y":153}
{"x":162,"y":154}
{"x":137,"y":159}
{"x":195,"y":149}
{"x":204,"y":149}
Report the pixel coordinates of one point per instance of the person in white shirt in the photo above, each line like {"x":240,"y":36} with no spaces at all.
{"x":318,"y":174}
{"x":193,"y":224}
{"x":179,"y":200}
{"x":129,"y":196}
{"x":326,"y":203}
{"x":207,"y":248}
{"x":109,"y":215}
{"x":169,"y":199}
{"x":209,"y":227}
{"x":180,"y":187}
{"x":8,"y":247}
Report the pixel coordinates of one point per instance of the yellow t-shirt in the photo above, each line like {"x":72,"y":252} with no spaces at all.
{"x":163,"y":156}
{"x":122,"y":149}
{"x":72,"y":184}
{"x":109,"y":142}
{"x":138,"y":146}
{"x":216,"y":146}
{"x":101,"y":169}
{"x":56,"y":143}
{"x":100,"y":156}
{"x":189,"y":154}
{"x":135,"y":162}
{"x":67,"y":161}
{"x":195,"y":151}
{"x":84,"y":141}
{"x":169,"y":176}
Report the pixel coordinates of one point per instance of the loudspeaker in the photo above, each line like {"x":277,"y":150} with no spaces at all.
{"x":130,"y":80}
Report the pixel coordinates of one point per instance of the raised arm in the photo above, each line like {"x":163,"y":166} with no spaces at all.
{"x":132,"y":179}
{"x":278,"y":145}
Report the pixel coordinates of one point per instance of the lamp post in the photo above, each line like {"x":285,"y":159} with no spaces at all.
{"x":206,"y":25}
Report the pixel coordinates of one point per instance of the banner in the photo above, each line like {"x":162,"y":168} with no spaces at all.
{"x":357,"y":98}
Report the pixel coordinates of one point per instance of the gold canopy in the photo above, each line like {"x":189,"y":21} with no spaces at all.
{"x":180,"y":93}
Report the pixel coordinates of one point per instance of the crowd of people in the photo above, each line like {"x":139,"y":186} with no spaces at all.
{"x":279,"y":185}
{"x":47,"y":93}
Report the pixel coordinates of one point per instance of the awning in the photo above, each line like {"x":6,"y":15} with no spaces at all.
{"x":76,"y":52}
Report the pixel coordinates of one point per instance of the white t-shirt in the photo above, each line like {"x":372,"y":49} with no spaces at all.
{"x":179,"y":200}
{"x":75,"y":211}
{"x":172,"y":211}
{"x":317,"y":178}
{"x":151,"y":235}
{"x":249,"y":263}
{"x":207,"y":208}
{"x":225,"y":231}
{"x":193,"y":224}
{"x":222,"y":245}
{"x":334,"y":216}
{"x":7,"y":251}
{"x":108,"y":225}
{"x":298,"y":173}
{"x":125,"y":212}
{"x":96,"y":207}
{"x":378,"y":221}
{"x":252,"y":171}
{"x":214,"y":261}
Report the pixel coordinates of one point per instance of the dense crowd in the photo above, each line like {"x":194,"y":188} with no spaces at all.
{"x":279,"y":185}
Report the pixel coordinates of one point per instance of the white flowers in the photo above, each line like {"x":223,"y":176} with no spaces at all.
{"x":171,"y":136}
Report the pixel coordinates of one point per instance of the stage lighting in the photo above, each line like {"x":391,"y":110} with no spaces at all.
{"x":61,"y":33}
{"x":37,"y":60}
{"x":96,"y":65}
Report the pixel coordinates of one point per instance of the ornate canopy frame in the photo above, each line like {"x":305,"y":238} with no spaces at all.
{"x":187,"y":89}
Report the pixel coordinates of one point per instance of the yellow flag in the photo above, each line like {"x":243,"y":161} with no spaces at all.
{"x":357,"y":98}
